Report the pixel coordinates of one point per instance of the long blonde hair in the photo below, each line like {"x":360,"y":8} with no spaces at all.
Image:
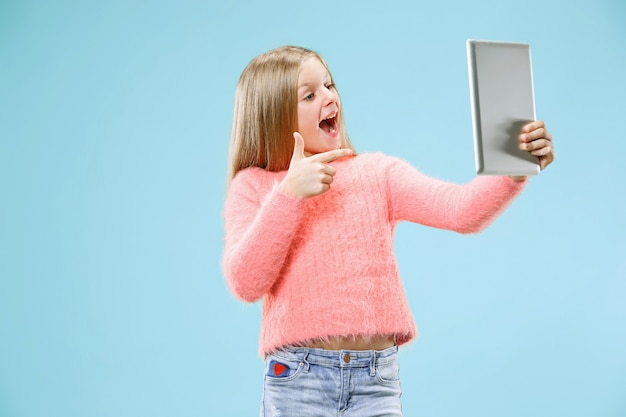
{"x":265,"y":114}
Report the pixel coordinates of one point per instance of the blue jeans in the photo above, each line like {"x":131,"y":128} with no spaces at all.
{"x":306,"y":382}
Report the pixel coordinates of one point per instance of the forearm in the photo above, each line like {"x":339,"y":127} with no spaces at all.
{"x":257,"y":243}
{"x":480,"y":202}
{"x":466,"y":208}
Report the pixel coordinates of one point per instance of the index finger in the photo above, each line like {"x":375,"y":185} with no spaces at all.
{"x":330,"y":156}
{"x":533,"y":126}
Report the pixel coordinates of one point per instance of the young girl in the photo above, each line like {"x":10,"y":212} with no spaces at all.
{"x":309,"y":229}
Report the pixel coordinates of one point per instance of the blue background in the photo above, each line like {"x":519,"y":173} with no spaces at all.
{"x":114,"y":126}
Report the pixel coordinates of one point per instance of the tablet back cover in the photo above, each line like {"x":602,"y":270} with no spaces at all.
{"x":502,"y":101}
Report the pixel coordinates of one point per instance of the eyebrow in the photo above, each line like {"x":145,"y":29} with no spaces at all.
{"x":303,"y":85}
{"x":309,"y":85}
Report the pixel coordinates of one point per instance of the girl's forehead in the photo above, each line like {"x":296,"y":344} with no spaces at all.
{"x":313,"y":68}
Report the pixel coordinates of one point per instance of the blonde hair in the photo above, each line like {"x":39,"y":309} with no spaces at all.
{"x":265,"y":114}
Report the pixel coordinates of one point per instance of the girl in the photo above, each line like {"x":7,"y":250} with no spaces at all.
{"x":309,"y":229}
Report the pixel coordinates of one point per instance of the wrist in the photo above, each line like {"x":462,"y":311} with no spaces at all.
{"x":285,"y":188}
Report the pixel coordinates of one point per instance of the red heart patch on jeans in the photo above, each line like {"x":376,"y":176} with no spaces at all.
{"x":279,"y":368}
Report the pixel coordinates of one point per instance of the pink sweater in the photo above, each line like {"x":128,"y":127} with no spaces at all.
{"x":325,"y":266}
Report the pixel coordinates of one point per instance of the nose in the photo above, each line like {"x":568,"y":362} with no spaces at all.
{"x":330,"y":97}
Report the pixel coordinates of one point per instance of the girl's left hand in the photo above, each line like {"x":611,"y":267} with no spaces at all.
{"x":536,"y":139}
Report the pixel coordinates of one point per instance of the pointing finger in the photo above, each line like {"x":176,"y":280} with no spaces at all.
{"x":330,"y":156}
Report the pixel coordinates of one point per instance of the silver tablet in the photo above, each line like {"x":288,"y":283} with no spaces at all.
{"x":502,"y":98}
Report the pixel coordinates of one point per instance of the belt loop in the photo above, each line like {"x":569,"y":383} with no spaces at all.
{"x":373,"y":363}
{"x":305,"y":363}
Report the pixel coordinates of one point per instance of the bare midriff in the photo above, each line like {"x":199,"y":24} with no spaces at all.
{"x":380,"y":342}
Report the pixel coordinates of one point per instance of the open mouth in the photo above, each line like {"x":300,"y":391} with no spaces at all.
{"x":329,"y":125}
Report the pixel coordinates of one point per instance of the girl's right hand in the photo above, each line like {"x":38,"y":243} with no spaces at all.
{"x":309,"y":176}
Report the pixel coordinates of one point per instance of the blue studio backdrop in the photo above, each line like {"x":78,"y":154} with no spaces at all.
{"x":114,"y":126}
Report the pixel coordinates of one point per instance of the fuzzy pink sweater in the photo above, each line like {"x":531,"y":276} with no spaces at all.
{"x":325,"y":266}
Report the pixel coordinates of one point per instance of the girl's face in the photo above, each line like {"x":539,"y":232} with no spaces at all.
{"x":318,"y":108}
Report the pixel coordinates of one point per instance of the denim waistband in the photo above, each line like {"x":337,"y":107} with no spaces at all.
{"x":338,"y":358}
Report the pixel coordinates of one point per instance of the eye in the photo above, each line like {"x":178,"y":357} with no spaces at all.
{"x":330,"y":86}
{"x":309,"y":97}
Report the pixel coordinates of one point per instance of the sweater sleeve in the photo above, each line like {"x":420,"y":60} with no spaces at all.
{"x":258,"y":235}
{"x":466,"y":208}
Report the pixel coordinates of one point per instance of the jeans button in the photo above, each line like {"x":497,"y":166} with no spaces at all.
{"x":346,"y":358}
